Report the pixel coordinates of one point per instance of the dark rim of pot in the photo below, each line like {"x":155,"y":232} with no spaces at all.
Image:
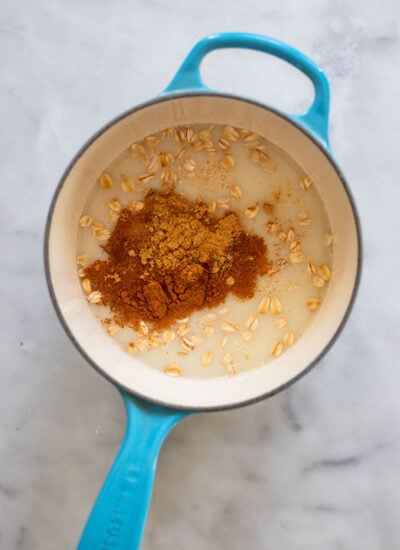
{"x":145,"y":105}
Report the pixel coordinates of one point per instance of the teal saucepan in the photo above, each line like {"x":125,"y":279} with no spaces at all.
{"x":155,"y":402}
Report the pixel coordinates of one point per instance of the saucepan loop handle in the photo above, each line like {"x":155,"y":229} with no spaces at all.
{"x":188,"y":77}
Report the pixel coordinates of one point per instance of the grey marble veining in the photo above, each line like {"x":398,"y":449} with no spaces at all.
{"x":314,"y":467}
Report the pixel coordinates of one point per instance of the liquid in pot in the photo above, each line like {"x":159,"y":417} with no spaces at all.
{"x":231,"y":170}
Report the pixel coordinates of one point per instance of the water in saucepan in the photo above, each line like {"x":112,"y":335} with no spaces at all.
{"x":231,"y":169}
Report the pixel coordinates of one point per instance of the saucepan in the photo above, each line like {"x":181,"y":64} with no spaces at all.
{"x":155,"y":402}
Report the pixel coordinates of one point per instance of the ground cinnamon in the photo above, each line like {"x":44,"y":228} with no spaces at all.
{"x":174,"y":257}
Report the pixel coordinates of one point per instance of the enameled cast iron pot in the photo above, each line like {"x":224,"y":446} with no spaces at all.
{"x":155,"y":402}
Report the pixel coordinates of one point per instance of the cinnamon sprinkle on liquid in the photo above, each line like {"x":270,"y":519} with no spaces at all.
{"x":174,"y":257}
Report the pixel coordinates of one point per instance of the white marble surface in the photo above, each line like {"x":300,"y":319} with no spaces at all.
{"x":315,"y":467}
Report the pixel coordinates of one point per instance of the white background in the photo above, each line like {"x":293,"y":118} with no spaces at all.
{"x":316,"y":467}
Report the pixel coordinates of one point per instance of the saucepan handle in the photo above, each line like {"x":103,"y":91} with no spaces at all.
{"x":188,"y":77}
{"x":119,"y":515}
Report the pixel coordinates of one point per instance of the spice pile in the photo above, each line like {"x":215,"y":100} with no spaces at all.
{"x":169,"y":257}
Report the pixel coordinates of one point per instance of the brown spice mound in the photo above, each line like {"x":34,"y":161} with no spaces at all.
{"x":172,"y":258}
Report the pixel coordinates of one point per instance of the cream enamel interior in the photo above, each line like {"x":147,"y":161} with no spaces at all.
{"x":125,"y":370}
